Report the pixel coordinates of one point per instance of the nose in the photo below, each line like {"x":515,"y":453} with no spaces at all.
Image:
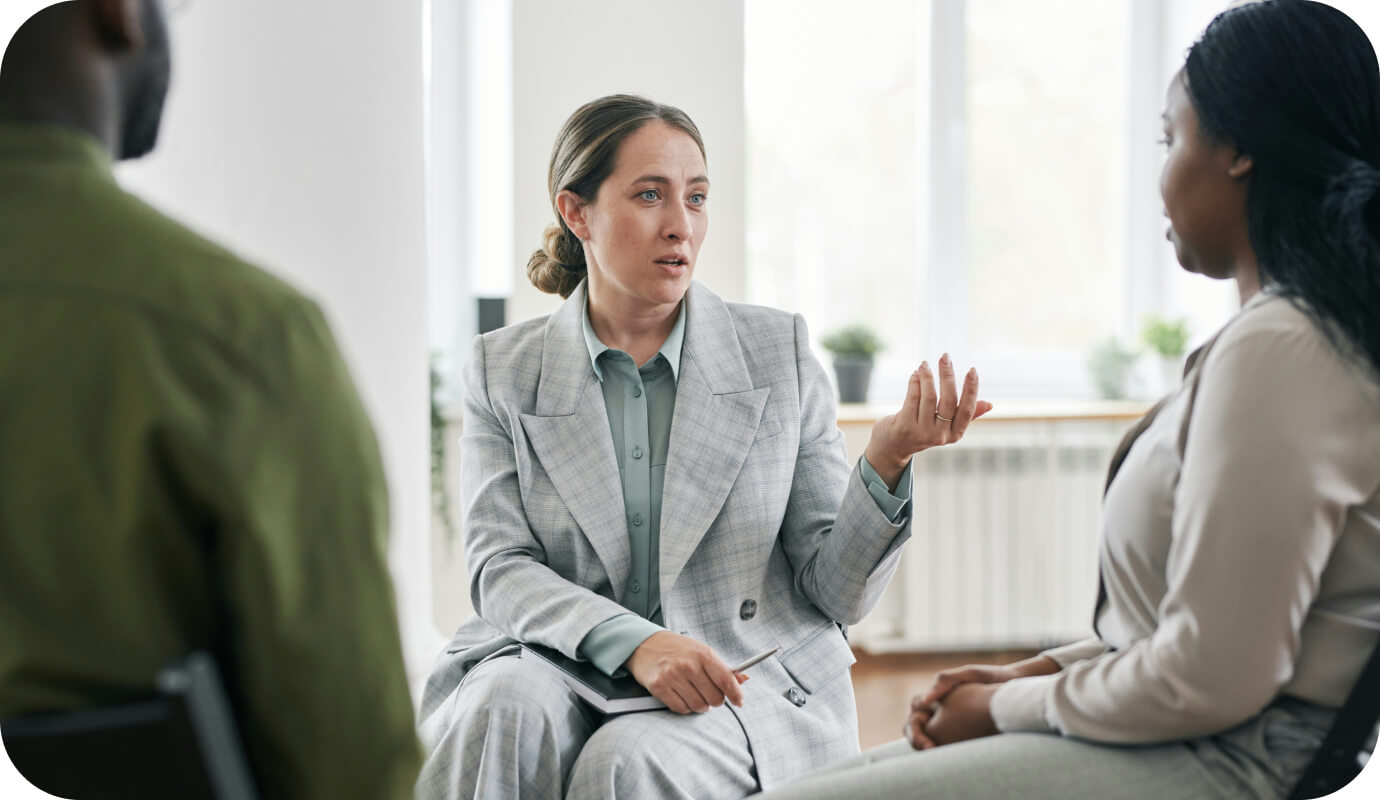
{"x":676,"y":225}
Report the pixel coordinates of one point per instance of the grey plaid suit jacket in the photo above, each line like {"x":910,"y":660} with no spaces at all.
{"x":759,"y":507}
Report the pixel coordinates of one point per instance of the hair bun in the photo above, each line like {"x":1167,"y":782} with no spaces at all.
{"x":562,"y":247}
{"x":559,"y":266}
{"x":1346,"y":201}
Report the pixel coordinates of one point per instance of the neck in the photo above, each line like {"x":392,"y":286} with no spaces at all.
{"x":638,"y":330}
{"x":41,"y":110}
{"x":54,"y":75}
{"x":1247,"y":276}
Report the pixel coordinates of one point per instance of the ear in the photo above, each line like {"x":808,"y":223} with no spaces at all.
{"x":574,"y":212}
{"x":118,"y":23}
{"x":1241,"y":166}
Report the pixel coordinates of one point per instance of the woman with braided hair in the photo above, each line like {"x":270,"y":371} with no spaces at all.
{"x":1240,"y":556}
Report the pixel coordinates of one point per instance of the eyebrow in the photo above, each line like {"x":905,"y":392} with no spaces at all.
{"x":665,"y":182}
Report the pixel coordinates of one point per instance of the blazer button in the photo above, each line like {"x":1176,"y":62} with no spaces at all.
{"x":748,"y":610}
{"x":796,"y":697}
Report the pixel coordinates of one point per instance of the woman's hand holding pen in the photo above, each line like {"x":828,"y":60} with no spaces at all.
{"x":930,"y":417}
{"x":684,"y":674}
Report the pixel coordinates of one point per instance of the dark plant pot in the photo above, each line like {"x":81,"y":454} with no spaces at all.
{"x":854,"y":375}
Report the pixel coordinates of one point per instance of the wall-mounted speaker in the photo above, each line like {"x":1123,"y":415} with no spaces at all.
{"x":491,"y":313}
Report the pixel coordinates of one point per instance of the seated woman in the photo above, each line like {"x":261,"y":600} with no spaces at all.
{"x":1241,"y":541}
{"x":654,"y":480}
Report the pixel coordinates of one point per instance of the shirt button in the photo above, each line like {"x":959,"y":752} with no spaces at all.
{"x":637,"y":452}
{"x":637,"y":520}
{"x":637,"y":391}
{"x":796,"y":697}
{"x":636,"y":587}
{"x":748,"y":610}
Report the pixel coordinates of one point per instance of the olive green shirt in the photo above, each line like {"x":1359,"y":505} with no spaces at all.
{"x":185,"y":464}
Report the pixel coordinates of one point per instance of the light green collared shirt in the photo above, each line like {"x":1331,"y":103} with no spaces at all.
{"x":640,"y":403}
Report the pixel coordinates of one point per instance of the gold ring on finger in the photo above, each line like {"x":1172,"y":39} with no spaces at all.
{"x":943,"y":418}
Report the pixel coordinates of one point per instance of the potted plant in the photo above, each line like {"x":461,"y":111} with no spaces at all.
{"x":1168,"y":340}
{"x":853,"y":349}
{"x":1110,"y":364}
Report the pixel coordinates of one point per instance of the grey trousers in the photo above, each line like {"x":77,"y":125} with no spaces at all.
{"x":1261,"y":758}
{"x":513,"y":730}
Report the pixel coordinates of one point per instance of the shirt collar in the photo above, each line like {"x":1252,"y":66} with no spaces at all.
{"x":670,"y":349}
{"x":40,"y":142}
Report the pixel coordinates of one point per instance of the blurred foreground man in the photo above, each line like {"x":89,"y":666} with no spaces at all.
{"x":184,"y":462}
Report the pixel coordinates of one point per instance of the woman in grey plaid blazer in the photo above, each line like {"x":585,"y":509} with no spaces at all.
{"x":653,"y":480}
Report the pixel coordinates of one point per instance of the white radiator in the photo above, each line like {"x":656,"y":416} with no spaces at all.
{"x":1004,"y":552}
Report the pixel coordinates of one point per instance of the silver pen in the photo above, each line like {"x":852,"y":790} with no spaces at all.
{"x":755,"y":659}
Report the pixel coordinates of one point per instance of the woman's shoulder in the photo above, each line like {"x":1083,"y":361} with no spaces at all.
{"x":1271,"y":322}
{"x":1275,"y":338}
{"x":764,"y":333}
{"x":504,"y":357}
{"x":760,"y":314}
{"x":512,"y":340}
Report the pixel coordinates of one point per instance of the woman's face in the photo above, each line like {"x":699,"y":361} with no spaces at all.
{"x":642,"y":234}
{"x":1203,"y":186}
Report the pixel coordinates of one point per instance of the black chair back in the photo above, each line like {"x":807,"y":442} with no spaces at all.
{"x":1338,"y":760}
{"x":179,"y":743}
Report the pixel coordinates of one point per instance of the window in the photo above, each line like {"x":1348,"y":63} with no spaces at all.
{"x":832,"y":165}
{"x":1042,"y":182}
{"x":970,"y":176}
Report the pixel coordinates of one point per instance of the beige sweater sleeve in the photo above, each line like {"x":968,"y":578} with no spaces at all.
{"x":1069,"y":654}
{"x":1280,"y":443}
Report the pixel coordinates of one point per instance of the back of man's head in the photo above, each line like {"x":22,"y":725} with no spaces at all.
{"x":102,"y":66}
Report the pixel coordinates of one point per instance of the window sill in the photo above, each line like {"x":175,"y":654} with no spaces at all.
{"x":1023,"y":411}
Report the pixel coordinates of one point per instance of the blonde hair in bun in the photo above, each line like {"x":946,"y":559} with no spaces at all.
{"x":558,"y":266}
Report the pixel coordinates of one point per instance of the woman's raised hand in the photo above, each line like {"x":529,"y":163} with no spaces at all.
{"x":930,"y":417}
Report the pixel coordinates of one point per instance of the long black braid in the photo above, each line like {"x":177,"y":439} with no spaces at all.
{"x":1295,"y":85}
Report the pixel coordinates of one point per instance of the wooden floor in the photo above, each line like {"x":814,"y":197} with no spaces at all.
{"x":885,"y":683}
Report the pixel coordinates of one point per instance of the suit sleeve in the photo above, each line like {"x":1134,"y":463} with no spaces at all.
{"x":316,"y":658}
{"x":511,"y":586}
{"x":842,"y":546}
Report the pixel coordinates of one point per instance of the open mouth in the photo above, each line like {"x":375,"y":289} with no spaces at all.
{"x":674,"y":262}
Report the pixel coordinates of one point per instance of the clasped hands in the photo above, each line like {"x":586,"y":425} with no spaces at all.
{"x":958,"y":706}
{"x":932,"y":415}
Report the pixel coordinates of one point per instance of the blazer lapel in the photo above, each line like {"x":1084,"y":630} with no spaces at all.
{"x":570,"y":434}
{"x":715,"y":421}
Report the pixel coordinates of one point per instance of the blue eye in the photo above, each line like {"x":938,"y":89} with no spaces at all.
{"x":698,"y":198}
{"x":649,"y":195}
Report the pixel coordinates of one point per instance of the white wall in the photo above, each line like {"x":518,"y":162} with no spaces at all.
{"x":293,"y":134}
{"x":690,"y":55}
{"x":564,"y":54}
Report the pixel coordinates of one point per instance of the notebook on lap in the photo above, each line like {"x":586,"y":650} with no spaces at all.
{"x":608,"y":695}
